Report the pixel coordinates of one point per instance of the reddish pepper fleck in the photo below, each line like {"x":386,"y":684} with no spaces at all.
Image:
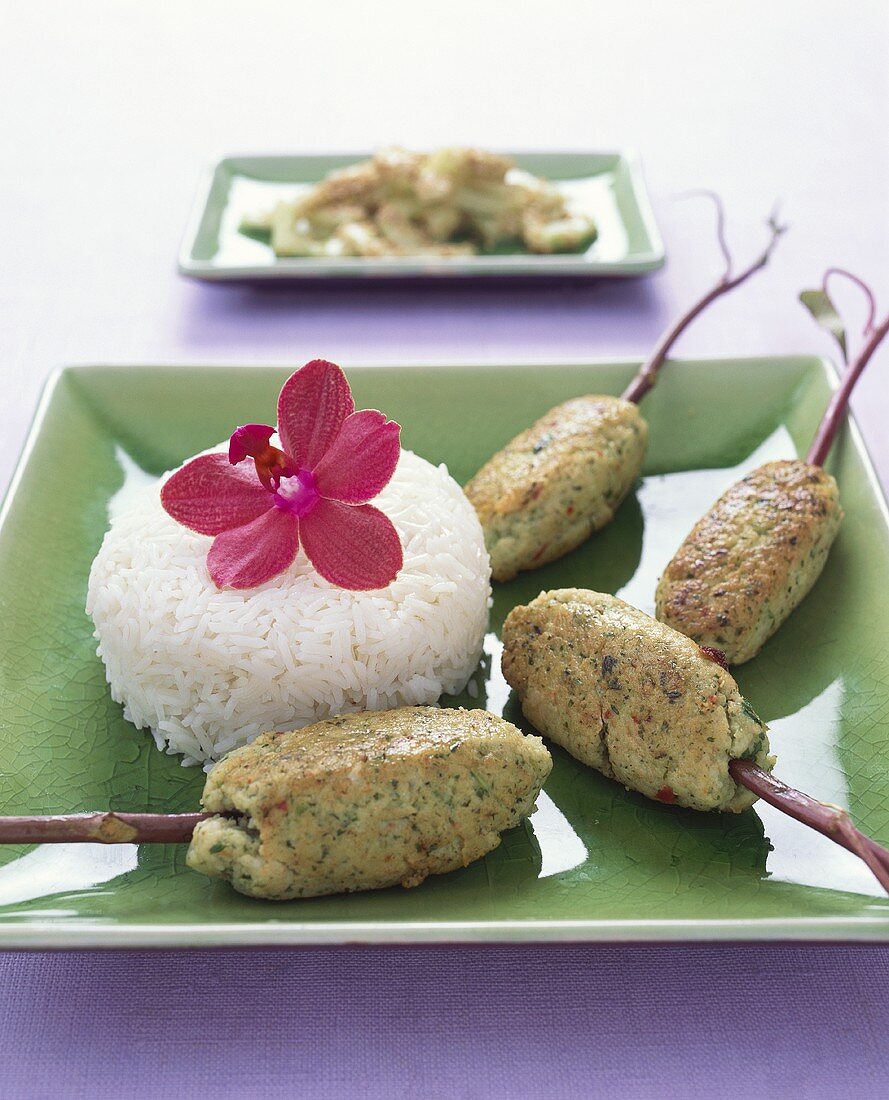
{"x":715,"y":655}
{"x":282,"y":806}
{"x":666,"y":794}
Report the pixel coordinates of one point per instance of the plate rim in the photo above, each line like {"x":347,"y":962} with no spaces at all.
{"x":643,"y":263}
{"x":826,"y":363}
{"x":271,"y":933}
{"x":62,"y":936}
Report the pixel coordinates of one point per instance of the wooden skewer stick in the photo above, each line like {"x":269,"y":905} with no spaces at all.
{"x":833,"y":821}
{"x":822,"y":309}
{"x":648,"y":372}
{"x":100,"y":828}
{"x":836,"y":410}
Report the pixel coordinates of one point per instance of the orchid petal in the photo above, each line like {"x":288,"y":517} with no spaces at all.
{"x":352,"y":547}
{"x":251,"y":555}
{"x":362,"y":459}
{"x":210,"y":496}
{"x":312,"y":406}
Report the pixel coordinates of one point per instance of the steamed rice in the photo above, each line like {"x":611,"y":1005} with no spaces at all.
{"x":207,"y":670}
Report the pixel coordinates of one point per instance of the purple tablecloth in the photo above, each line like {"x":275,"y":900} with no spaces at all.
{"x":487,"y":1023}
{"x":109,"y":112}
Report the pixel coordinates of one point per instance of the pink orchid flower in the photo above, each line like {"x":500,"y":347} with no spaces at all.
{"x":313,"y":490}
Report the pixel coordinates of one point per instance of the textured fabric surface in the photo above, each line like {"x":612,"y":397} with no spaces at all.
{"x":560,"y":1022}
{"x":110,"y":111}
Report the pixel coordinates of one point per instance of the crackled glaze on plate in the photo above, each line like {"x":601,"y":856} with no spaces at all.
{"x":595,"y":861}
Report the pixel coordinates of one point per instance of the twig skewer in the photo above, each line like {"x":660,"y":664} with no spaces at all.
{"x":832,"y":821}
{"x":648,"y":372}
{"x":100,"y":828}
{"x":124,"y":828}
{"x":873,"y":333}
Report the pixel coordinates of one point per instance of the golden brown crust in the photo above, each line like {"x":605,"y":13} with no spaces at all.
{"x":366,"y":800}
{"x":632,"y":698}
{"x":752,"y":558}
{"x":558,"y":481}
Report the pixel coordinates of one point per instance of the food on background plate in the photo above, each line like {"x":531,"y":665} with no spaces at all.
{"x":752,"y":559}
{"x":257,"y":588}
{"x":452,"y":202}
{"x":563,"y":478}
{"x":366,"y":801}
{"x":646,"y":706}
{"x":359,"y":802}
{"x":632,"y":698}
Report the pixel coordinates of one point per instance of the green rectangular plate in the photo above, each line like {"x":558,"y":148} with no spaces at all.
{"x":595,"y":862}
{"x":608,"y":185}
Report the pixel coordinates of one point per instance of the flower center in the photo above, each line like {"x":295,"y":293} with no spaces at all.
{"x":297,"y":494}
{"x":252,"y":441}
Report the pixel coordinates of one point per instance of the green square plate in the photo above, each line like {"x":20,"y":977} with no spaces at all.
{"x":595,"y":862}
{"x":608,"y":185}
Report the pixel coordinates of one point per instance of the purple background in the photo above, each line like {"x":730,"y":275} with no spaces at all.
{"x":110,"y":110}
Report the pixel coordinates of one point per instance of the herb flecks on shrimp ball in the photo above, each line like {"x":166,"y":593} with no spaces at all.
{"x":632,"y":698}
{"x":366,"y":801}
{"x":752,"y":558}
{"x":558,"y":481}
{"x":563,"y":478}
{"x":755,"y":555}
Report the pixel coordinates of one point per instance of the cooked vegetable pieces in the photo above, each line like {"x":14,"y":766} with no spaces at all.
{"x":632,"y":698}
{"x":454,"y":202}
{"x":366,"y":801}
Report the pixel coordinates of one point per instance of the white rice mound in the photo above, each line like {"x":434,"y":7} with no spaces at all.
{"x":207,"y":670}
